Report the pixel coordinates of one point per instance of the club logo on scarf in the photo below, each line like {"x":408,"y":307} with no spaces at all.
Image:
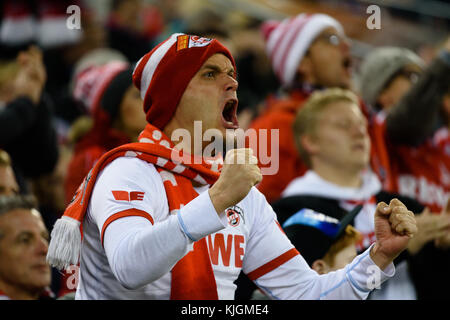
{"x":234,"y":215}
{"x":186,"y":41}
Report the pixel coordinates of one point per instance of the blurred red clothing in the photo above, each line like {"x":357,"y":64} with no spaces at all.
{"x":421,"y":172}
{"x":280,"y":114}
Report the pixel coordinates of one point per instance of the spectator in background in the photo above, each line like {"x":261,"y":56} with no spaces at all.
{"x":327,"y":243}
{"x":332,"y":138}
{"x":8,"y":183}
{"x":45,"y":23}
{"x":39,"y":22}
{"x":116,"y":108}
{"x":395,"y":77}
{"x":24,"y":273}
{"x":308,"y":53}
{"x":26,"y":128}
{"x":61,"y":61}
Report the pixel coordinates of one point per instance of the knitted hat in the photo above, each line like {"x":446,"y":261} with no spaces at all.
{"x":163,"y":74}
{"x":313,"y":233}
{"x":91,"y":83}
{"x":378,"y":68}
{"x":287,"y":41}
{"x":115,"y":92}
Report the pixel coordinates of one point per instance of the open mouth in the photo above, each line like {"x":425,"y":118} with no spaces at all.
{"x":359,"y":146}
{"x":347,"y":64}
{"x":229,"y":114}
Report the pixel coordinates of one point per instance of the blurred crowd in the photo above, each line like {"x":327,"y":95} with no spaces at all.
{"x":362,"y":136}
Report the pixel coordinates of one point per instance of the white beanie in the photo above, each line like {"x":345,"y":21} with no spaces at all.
{"x":287,"y":41}
{"x":379,"y":66}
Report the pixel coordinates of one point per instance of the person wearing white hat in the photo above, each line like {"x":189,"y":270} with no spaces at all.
{"x":307,"y":52}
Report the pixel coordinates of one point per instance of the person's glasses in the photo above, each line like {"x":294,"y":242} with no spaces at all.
{"x":332,"y":39}
{"x":412,"y":76}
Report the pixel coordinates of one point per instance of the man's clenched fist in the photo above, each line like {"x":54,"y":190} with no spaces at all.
{"x":394,"y":226}
{"x":240,"y":173}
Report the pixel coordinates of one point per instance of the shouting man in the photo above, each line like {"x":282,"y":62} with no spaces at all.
{"x":160,"y":223}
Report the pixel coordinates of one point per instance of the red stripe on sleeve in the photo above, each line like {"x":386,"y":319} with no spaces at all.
{"x":121,"y":195}
{"x":122,"y":214}
{"x":273,"y":264}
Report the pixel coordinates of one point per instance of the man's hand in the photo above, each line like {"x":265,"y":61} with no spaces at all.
{"x":32,"y":75}
{"x":430,"y":227}
{"x":240,"y":173}
{"x":443,"y":242}
{"x":395,"y":225}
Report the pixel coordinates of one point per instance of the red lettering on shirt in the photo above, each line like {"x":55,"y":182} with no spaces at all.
{"x":219,"y":245}
{"x":136,"y":195}
{"x":238,"y":250}
{"x":120,"y":195}
{"x":216,"y":245}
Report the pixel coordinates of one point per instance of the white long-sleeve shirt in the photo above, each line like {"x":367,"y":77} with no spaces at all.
{"x":131,"y":242}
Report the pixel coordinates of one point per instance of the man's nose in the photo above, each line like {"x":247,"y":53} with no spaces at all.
{"x":345,"y":45}
{"x":358,"y":130}
{"x":42,"y":246}
{"x":231,"y":84}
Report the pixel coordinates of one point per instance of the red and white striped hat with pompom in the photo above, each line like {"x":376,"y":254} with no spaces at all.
{"x":287,"y":41}
{"x":91,"y":83}
{"x":163,"y":74}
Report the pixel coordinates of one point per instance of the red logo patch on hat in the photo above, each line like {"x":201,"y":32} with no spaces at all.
{"x":196,"y":41}
{"x":186,"y":41}
{"x":182,"y":42}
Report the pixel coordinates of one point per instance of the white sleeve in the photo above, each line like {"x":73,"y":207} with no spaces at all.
{"x":144,"y":246}
{"x":281,"y":272}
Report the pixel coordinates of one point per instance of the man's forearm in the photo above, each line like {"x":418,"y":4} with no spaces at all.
{"x":379,"y":258}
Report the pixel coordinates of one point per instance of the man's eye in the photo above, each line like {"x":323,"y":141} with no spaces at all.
{"x":25,"y":240}
{"x":209,"y":74}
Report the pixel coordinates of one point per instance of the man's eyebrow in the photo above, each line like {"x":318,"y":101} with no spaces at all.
{"x":24,"y":233}
{"x":217,"y":68}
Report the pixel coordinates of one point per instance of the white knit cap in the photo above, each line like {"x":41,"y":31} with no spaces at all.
{"x":287,"y":41}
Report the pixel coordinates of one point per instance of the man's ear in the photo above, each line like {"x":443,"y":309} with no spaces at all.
{"x":305,"y":69}
{"x":320,"y":266}
{"x":385,"y":99}
{"x":309,"y":144}
{"x":446,"y":104}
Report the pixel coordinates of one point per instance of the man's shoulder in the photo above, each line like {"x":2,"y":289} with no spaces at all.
{"x":129,"y":164}
{"x":128,"y":171}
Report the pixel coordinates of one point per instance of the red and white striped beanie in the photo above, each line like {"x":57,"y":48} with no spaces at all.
{"x":163,"y":74}
{"x":287,"y":41}
{"x":91,"y":83}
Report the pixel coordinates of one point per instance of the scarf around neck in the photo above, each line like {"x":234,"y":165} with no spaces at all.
{"x":192,"y":276}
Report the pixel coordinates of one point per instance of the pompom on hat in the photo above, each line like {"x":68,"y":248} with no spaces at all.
{"x":287,"y":41}
{"x":163,"y":74}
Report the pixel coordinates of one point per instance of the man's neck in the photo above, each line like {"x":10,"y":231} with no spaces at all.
{"x":345,"y":178}
{"x":17,"y":293}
